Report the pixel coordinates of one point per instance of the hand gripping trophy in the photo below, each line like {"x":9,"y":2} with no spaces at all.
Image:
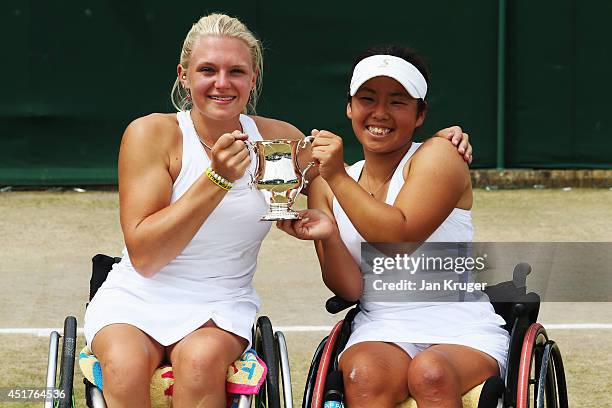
{"x":278,"y":171}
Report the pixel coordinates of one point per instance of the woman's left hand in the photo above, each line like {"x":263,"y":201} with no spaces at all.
{"x":314,"y":225}
{"x":458,"y":138}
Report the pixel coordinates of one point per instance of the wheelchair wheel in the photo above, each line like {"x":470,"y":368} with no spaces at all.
{"x":541,"y":381}
{"x":67,"y":362}
{"x":325,"y":364}
{"x":312,"y":374}
{"x":285,"y":368}
{"x":269,"y":395}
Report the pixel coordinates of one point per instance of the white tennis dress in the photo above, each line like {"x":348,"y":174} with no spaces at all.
{"x":416,"y":325}
{"x":210,"y":279}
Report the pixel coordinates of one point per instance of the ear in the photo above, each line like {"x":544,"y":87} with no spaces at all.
{"x":349,"y":113}
{"x":421,"y":118}
{"x":182,"y":76}
{"x":254,"y":81}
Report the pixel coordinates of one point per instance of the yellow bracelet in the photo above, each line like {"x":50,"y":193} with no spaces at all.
{"x":218,"y":180}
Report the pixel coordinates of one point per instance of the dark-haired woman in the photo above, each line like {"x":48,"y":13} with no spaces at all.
{"x":402,"y":192}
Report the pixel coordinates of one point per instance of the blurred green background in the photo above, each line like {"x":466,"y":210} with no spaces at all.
{"x":75,"y":73}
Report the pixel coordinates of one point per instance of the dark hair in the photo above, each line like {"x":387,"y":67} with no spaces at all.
{"x":399,"y":51}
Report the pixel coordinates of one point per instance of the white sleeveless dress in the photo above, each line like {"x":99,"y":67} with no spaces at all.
{"x":210,"y":279}
{"x":414,"y":326}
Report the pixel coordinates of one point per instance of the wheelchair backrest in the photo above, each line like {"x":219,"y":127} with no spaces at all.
{"x":506,"y":295}
{"x":101,"y":266}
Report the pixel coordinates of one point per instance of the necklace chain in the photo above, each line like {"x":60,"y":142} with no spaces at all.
{"x":201,"y":141}
{"x":199,"y":138}
{"x":367,"y":179}
{"x":197,"y":134}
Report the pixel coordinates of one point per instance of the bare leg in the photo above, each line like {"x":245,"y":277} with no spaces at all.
{"x":200,"y":361}
{"x":440,"y":375}
{"x":375,"y":374}
{"x":128,"y":357}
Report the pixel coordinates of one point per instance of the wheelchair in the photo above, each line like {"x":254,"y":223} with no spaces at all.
{"x":535,"y":376}
{"x":270,"y":346}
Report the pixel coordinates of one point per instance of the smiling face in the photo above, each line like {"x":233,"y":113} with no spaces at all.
{"x":383,"y":114}
{"x":220,"y":76}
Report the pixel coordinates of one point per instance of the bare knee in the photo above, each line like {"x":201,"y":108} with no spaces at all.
{"x":432,"y":378}
{"x":201,"y":364}
{"x":124,"y":372}
{"x":363,"y":375}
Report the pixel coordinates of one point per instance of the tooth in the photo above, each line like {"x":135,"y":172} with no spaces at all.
{"x":379,"y":131}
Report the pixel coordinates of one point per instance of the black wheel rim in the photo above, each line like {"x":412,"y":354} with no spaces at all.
{"x":269,"y":394}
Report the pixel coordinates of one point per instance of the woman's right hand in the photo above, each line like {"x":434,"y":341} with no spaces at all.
{"x":314,"y":225}
{"x":328,"y":152}
{"x":230,"y":156}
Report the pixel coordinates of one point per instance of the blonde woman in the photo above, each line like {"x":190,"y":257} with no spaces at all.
{"x":183,"y":289}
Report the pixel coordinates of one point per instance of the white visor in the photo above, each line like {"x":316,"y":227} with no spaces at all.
{"x":393,"y":67}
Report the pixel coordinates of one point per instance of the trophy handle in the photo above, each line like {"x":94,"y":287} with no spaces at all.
{"x":302,"y":145}
{"x":252,"y":147}
{"x":305,"y":141}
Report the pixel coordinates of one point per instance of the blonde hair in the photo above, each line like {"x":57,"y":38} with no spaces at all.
{"x":224,"y":26}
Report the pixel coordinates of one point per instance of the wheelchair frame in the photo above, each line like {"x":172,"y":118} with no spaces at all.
{"x":270,"y":346}
{"x":534,"y":377}
{"x":66,"y":399}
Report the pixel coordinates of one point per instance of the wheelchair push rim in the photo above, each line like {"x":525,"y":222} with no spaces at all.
{"x":324,"y":365}
{"x":541,"y":381}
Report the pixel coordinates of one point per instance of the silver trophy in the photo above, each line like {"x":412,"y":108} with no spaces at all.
{"x":278,"y":171}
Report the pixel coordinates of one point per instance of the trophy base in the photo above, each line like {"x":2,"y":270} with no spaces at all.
{"x":279,"y":213}
{"x":280,"y":216}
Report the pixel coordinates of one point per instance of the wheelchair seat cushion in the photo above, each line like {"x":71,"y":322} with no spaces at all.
{"x":244,"y":376}
{"x":469,"y":399}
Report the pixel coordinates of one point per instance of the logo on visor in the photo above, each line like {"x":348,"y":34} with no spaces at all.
{"x":385,"y":63}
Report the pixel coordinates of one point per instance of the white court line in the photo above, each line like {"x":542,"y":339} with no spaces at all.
{"x":45,"y":331}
